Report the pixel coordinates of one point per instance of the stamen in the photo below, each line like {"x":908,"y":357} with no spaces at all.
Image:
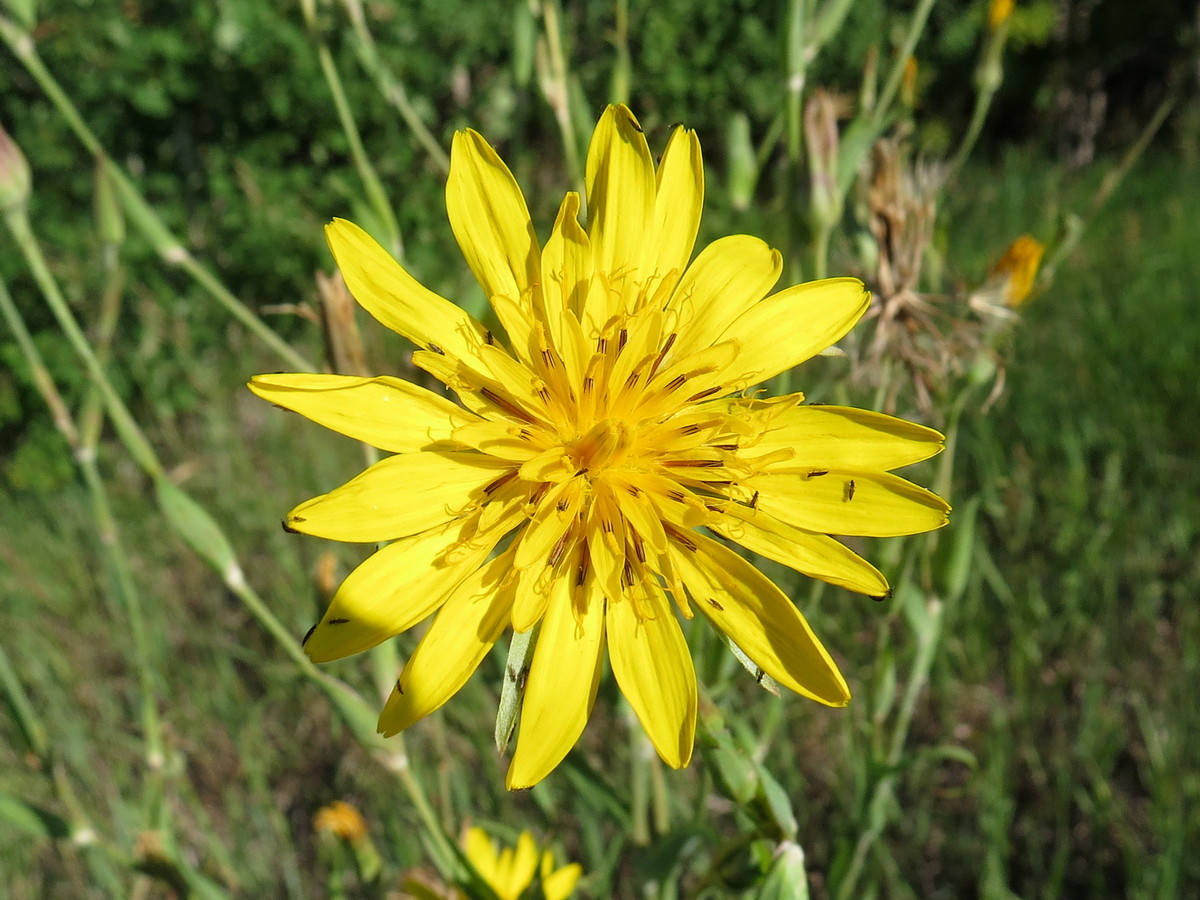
{"x":676,"y":382}
{"x":732,"y":448}
{"x":500,"y":482}
{"x":692,"y":463}
{"x":817,"y":473}
{"x":557,"y":552}
{"x":662,"y":354}
{"x":584,"y":563}
{"x":436,"y":349}
{"x":505,"y":404}
{"x":489,"y":338}
{"x":622,"y":340}
{"x":703,"y":394}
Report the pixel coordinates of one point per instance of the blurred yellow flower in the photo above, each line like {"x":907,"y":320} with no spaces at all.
{"x":509,"y":872}
{"x":615,"y":421}
{"x":1017,"y":269}
{"x":999,"y":11}
{"x":341,"y":820}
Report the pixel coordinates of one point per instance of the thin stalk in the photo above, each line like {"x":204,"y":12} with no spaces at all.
{"x":896,"y":75}
{"x":821,"y":236}
{"x":883,"y":794}
{"x":797,"y":66}
{"x":169,"y":247}
{"x":345,"y":700}
{"x":390,"y":86}
{"x":131,"y":434}
{"x":989,"y":74}
{"x":110,"y":540}
{"x":376,"y":195}
{"x":1108,"y":186}
{"x":556,"y":89}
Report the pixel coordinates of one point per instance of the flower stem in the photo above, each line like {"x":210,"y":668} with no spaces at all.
{"x":376,"y":195}
{"x":169,"y":247}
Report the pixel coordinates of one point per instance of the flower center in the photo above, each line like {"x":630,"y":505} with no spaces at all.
{"x":606,"y":444}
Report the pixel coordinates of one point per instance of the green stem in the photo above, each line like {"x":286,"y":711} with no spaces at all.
{"x":110,"y":540}
{"x":1108,"y":186}
{"x":556,"y":89}
{"x":348,"y":703}
{"x":169,"y":247}
{"x":796,"y":73}
{"x":390,"y":86}
{"x":989,"y":75}
{"x":376,"y":195}
{"x":896,"y":75}
{"x":131,"y":434}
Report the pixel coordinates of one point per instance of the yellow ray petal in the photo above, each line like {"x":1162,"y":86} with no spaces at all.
{"x":797,"y":323}
{"x":490,"y":219}
{"x":521,"y":869}
{"x":815,"y":555}
{"x":841,"y":502}
{"x":760,"y":619}
{"x":730,"y":276}
{"x":398,"y":586}
{"x":481,"y":853}
{"x":385,"y":412}
{"x":395,"y":298}
{"x":562,"y":684}
{"x":464,"y":630}
{"x":620,"y":195}
{"x":653,"y":668}
{"x":566,"y":268}
{"x":398,"y":496}
{"x":841,"y":437}
{"x":678,"y":202}
{"x":559,"y":885}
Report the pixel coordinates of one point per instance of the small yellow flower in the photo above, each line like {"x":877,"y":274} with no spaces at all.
{"x":999,"y":11}
{"x":509,"y":872}
{"x":617,"y":419}
{"x":1017,"y":269}
{"x":341,"y":820}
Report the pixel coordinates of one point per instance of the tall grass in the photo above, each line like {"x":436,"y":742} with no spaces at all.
{"x":1023,"y":704}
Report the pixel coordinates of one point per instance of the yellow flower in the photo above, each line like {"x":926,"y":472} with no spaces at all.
{"x":1017,"y":269}
{"x":509,"y":872}
{"x":341,"y":819}
{"x":595,"y":442}
{"x":999,"y":12}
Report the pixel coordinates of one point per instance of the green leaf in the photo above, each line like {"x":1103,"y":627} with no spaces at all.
{"x":516,"y":670}
{"x":33,"y":819}
{"x":196,"y":526}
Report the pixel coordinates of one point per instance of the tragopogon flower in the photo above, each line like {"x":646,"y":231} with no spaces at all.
{"x":592,"y":446}
{"x":508,"y":872}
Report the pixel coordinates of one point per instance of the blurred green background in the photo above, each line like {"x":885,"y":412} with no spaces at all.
{"x":1047,"y":751}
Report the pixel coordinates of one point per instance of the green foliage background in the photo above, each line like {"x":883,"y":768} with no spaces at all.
{"x":1048,"y":757}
